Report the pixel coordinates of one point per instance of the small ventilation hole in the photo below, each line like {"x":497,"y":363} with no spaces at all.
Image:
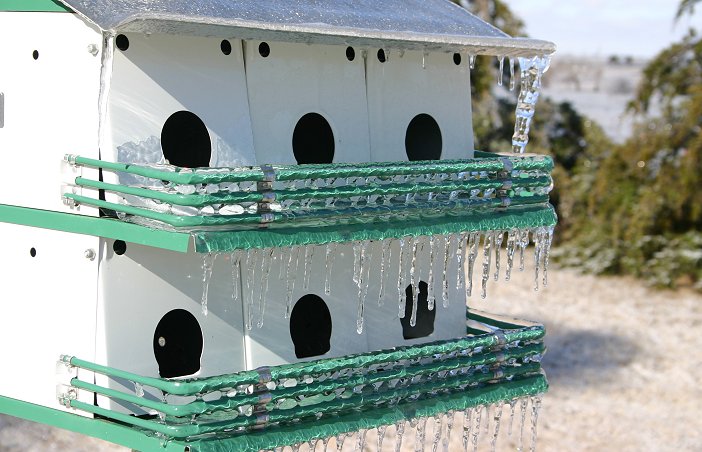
{"x":381,"y":56}
{"x":119,"y":247}
{"x":264,"y":49}
{"x":310,"y":327}
{"x":35,"y":54}
{"x":350,"y":53}
{"x":226,"y":47}
{"x":33,"y":252}
{"x":457,"y":59}
{"x":122,"y":42}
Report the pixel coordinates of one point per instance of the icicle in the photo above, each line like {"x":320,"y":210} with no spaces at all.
{"x":511,"y":241}
{"x":539,"y":239}
{"x":487,"y":418}
{"x":401,"y":277}
{"x":522,"y":418}
{"x":473,"y":242}
{"x":420,"y":435}
{"x":460,"y":255}
{"x":381,"y":437}
{"x":208,"y":261}
{"x":444,"y":273}
{"x":307,"y":270}
{"x":361,"y":444}
{"x":359,"y":252}
{"x":499,"y":237}
{"x":449,"y":426}
{"x":523,"y":244}
{"x":547,"y":251}
{"x":424,"y":60}
{"x":311,"y":445}
{"x":512,"y":78}
{"x":531,"y":71}
{"x":413,"y":284}
{"x":535,"y":407}
{"x":235,"y":260}
{"x":266,"y":264}
{"x":284,"y":257}
{"x":467,"y":426}
{"x":329,"y":262}
{"x":476,"y":428}
{"x":512,"y":404}
{"x":293,"y":261}
{"x":385,"y":258}
{"x":438,"y":427}
{"x":501,"y":72}
{"x":252,"y":261}
{"x":487,"y":255}
{"x":471,"y":61}
{"x":399,"y":432}
{"x":340,"y":441}
{"x":498,"y":418}
{"x":430,"y":281}
{"x":138,"y":389}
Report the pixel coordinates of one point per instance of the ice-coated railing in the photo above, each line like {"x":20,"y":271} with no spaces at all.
{"x":267,"y":408}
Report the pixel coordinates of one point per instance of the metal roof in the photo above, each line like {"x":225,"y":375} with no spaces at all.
{"x":403,"y":24}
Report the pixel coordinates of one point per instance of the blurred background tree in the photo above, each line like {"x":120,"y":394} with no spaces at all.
{"x":634,"y":208}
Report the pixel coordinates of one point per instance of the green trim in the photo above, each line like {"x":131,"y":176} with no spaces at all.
{"x":101,"y":227}
{"x":271,"y":438}
{"x":39,"y":6}
{"x":105,"y":430}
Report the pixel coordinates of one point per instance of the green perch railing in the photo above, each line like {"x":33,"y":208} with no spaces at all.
{"x":270,"y":407}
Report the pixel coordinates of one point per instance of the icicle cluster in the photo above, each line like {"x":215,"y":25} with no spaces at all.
{"x":477,"y":428}
{"x":443,"y":262}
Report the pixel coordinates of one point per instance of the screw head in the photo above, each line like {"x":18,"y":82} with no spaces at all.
{"x":90,"y":254}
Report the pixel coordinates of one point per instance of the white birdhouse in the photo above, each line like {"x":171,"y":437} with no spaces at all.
{"x":201,"y":192}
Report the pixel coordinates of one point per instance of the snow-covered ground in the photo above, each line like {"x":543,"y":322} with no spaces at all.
{"x":598,"y":88}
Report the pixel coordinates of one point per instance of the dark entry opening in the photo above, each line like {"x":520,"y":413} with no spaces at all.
{"x":423,"y":138}
{"x":425,"y":317}
{"x":178,"y":344}
{"x":185,"y":140}
{"x":313,"y":140}
{"x":310,"y":327}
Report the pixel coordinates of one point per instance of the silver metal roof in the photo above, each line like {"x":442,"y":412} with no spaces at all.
{"x":402,"y":24}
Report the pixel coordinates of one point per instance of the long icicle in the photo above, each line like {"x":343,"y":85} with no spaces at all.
{"x":263,"y":293}
{"x":467,"y":427}
{"x":444,"y":275}
{"x":413,"y":283}
{"x":473,"y":243}
{"x":430,"y":281}
{"x":460,"y":260}
{"x":402,"y":303}
{"x":208,"y":261}
{"x":499,"y":237}
{"x":251,"y":264}
{"x":362,"y":265}
{"x":547,"y":251}
{"x":511,"y":248}
{"x":385,"y":258}
{"x":487,"y":255}
{"x":329,"y":263}
{"x":293,"y":262}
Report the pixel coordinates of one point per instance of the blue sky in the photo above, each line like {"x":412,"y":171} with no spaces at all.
{"x":639,"y":28}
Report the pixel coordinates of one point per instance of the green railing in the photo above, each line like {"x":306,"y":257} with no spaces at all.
{"x":282,"y":206}
{"x":271,"y":407}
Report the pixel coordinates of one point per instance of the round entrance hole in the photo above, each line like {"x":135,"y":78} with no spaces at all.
{"x":423,"y":138}
{"x":310,"y":327}
{"x":178,"y":344}
{"x":313,"y":140}
{"x":185,"y":140}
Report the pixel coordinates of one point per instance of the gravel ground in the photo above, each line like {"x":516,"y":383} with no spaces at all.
{"x":619,"y":378}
